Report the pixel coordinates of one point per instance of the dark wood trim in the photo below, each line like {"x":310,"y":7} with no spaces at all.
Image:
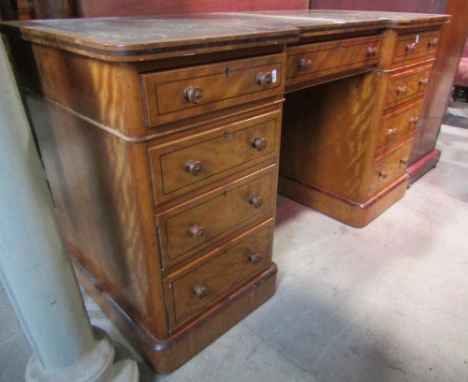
{"x":423,"y":165}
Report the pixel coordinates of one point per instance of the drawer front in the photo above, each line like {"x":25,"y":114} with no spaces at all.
{"x":189,"y":228}
{"x":396,"y":125}
{"x":313,"y":61}
{"x":404,"y":86}
{"x":416,"y":46}
{"x":182,"y":93}
{"x":200,"y":159}
{"x":226,"y":269}
{"x":390,"y":167}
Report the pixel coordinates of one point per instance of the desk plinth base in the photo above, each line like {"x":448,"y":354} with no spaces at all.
{"x":349,"y":212}
{"x":423,"y":165}
{"x":166,"y":355}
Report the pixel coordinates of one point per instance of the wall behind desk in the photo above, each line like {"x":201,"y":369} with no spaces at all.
{"x":93,"y":8}
{"x":422,"y":6}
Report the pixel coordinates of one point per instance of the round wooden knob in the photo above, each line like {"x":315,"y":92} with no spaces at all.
{"x":196,"y":231}
{"x":256,"y":201}
{"x":411,"y":47}
{"x":372,"y":52}
{"x":402,"y":89}
{"x":193,"y":167}
{"x":423,"y":81}
{"x":383,"y":174}
{"x":264,"y":79}
{"x":414,"y":120}
{"x":393,"y":131}
{"x":304,"y":63}
{"x":259,"y":143}
{"x":200,"y":291}
{"x":433,"y":43}
{"x":254,"y":258}
{"x":193,"y":94}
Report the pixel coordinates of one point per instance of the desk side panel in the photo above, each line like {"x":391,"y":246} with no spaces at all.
{"x":102,"y":192}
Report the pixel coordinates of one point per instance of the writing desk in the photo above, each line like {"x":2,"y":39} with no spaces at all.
{"x":161,"y":142}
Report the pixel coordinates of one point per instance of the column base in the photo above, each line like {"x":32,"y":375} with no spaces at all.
{"x":355,"y":214}
{"x":166,"y":355}
{"x":98,"y":365}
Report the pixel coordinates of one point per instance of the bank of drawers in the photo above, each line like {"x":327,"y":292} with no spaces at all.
{"x":214,"y":188}
{"x":403,"y":103}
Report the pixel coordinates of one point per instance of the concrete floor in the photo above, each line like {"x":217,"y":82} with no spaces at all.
{"x":385,"y":303}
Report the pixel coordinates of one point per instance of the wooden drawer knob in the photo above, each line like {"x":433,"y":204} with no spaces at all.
{"x":383,"y":174}
{"x":193,"y":94}
{"x":196,"y":231}
{"x":393,"y":131}
{"x":259,"y":143}
{"x":411,"y":47}
{"x":433,"y":43}
{"x":414,"y":120}
{"x":372,"y":52}
{"x":423,"y":81}
{"x":264,"y":79}
{"x":193,"y":167}
{"x":256,"y":201}
{"x":402,"y":90}
{"x":200,"y":291}
{"x":304,"y":63}
{"x":254,"y":258}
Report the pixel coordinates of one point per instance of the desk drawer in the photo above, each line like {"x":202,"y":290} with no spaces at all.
{"x":225,"y":270}
{"x":189,"y":228}
{"x":397,"y":124}
{"x":200,"y":159}
{"x":404,"y":86}
{"x":312,"y":61}
{"x":390,"y":167}
{"x":416,"y":46}
{"x":182,"y":93}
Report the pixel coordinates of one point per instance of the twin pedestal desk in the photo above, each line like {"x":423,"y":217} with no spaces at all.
{"x":162,"y":140}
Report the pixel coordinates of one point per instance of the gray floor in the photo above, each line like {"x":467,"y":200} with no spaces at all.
{"x":385,"y":303}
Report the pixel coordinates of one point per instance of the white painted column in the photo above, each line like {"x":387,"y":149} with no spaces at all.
{"x":34,"y":267}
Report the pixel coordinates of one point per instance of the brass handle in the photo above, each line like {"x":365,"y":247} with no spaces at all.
{"x":196,"y":231}
{"x":404,"y":160}
{"x":383,"y":174}
{"x":393,"y":131}
{"x":423,"y":81}
{"x":433,"y":43}
{"x":193,"y":167}
{"x":402,"y":89}
{"x":372,"y":52}
{"x":259,"y":143}
{"x":193,"y":94}
{"x":411,"y":47}
{"x":264,"y":79}
{"x":200,"y":291}
{"x":414,"y":120}
{"x":304,"y":63}
{"x":256,"y":201}
{"x":254,"y":258}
